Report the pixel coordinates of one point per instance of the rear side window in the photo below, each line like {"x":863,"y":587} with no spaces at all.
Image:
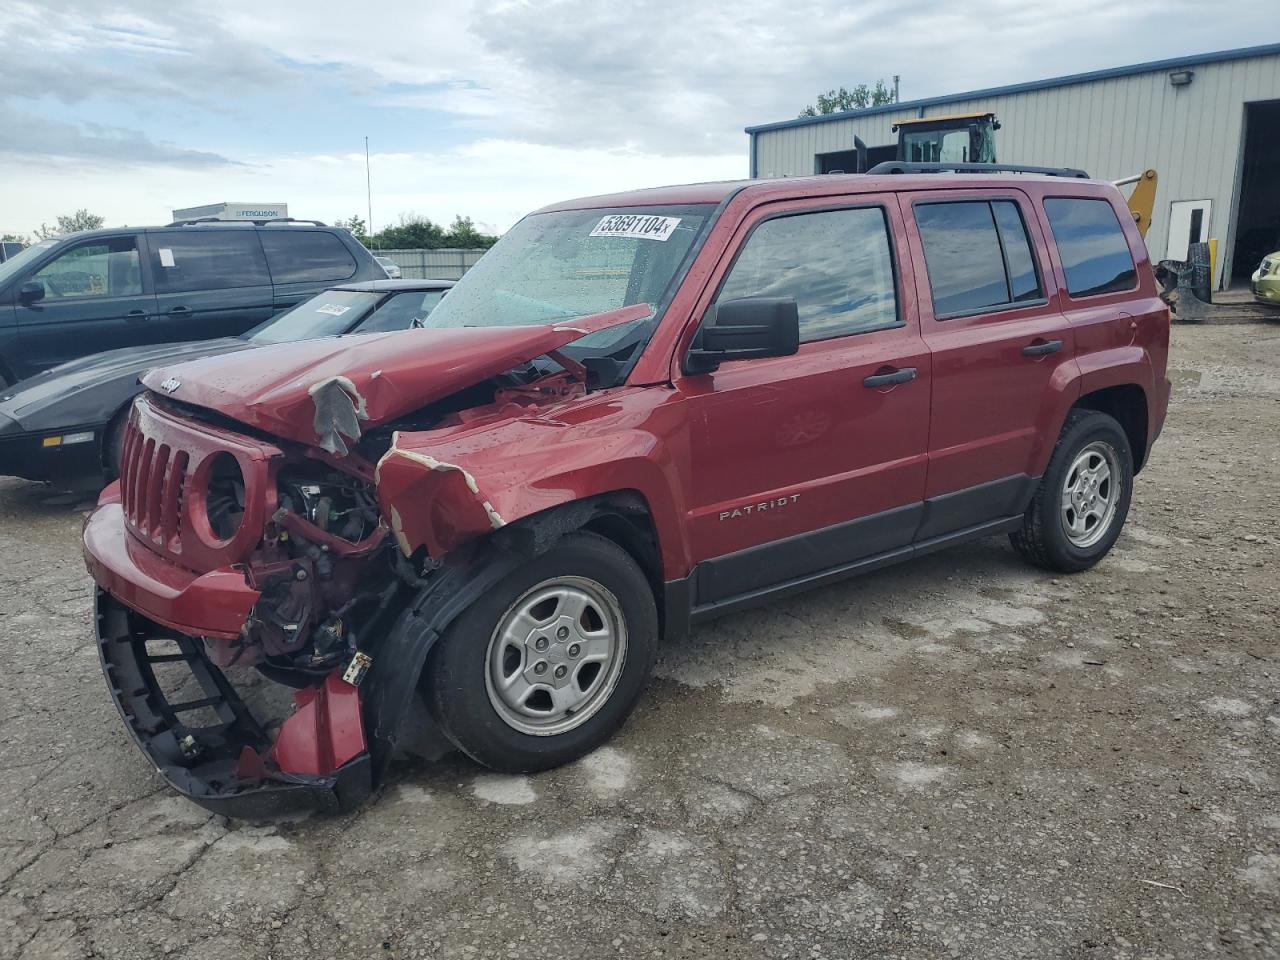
{"x":197,"y":259}
{"x":978,"y":256}
{"x":1091,"y":244}
{"x":297,"y":256}
{"x":836,"y":264}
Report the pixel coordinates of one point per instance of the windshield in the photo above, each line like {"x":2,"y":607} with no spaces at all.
{"x":555,"y":266}
{"x":324,"y":315}
{"x":21,"y":261}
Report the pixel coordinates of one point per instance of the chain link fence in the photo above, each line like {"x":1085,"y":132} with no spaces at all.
{"x":444,"y":264}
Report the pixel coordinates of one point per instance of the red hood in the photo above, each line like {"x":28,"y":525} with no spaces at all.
{"x":274,"y":387}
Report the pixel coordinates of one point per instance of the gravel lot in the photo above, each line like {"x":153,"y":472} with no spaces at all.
{"x":962,"y":757}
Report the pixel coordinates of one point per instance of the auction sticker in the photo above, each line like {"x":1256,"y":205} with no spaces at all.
{"x":636,"y":226}
{"x":332,"y":309}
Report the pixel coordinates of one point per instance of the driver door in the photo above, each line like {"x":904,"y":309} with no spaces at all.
{"x":97,"y":296}
{"x":810,"y":462}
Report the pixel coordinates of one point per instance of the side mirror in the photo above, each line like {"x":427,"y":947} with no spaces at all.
{"x":31,"y":291}
{"x":743,"y":329}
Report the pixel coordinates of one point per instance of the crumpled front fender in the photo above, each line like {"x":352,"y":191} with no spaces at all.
{"x":442,"y":489}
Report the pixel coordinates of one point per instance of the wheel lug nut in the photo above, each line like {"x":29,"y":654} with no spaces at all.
{"x":540,"y":667}
{"x":561,"y":672}
{"x":540,"y":643}
{"x":574,"y":649}
{"x":562,"y":633}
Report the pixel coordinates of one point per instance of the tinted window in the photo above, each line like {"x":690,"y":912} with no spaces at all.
{"x":1024,"y":282}
{"x":400,"y":312}
{"x":103,"y":268}
{"x":978,"y":256}
{"x":1095,"y":255}
{"x":962,"y":254}
{"x":836,"y":265}
{"x":304,"y":255}
{"x":199,"y":259}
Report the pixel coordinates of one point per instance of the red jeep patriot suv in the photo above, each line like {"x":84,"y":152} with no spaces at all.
{"x":635,"y":413}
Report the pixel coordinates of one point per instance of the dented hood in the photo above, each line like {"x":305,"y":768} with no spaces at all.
{"x":316,"y":391}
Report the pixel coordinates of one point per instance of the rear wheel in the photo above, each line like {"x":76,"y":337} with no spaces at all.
{"x":1083,"y":498}
{"x":548,"y":664}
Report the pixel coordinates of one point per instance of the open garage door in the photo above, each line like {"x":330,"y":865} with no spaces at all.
{"x":1258,"y":219}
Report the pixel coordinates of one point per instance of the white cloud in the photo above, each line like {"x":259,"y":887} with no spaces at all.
{"x":493,"y":181}
{"x":560,"y":97}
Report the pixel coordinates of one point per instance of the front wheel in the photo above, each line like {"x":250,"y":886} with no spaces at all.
{"x":1083,"y":498}
{"x":546,"y":666}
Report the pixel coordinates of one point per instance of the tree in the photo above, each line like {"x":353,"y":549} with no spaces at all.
{"x":463,"y":233}
{"x":838,"y":101}
{"x":80,"y":220}
{"x":412,"y":232}
{"x":358,"y":228}
{"x":14,"y":238}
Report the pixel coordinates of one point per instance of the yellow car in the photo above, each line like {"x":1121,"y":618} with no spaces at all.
{"x":1266,"y":280}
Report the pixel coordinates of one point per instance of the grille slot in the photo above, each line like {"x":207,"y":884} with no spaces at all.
{"x":153,"y":477}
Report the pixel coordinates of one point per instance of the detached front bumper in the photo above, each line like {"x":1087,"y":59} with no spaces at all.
{"x":232,"y":767}
{"x":214,"y":604}
{"x":149,"y":611}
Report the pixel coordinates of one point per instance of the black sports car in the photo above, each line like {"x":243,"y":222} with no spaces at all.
{"x":65,"y":425}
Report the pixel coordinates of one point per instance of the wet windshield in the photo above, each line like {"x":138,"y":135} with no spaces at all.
{"x":324,"y":315}
{"x":20,"y":262}
{"x":555,"y":266}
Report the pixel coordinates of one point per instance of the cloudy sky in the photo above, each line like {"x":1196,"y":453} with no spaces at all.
{"x":486,"y":109}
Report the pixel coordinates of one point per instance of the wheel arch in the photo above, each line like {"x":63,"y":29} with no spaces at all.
{"x":1127,"y":403}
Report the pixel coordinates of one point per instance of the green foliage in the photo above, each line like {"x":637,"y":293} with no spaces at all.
{"x":416,"y":232}
{"x":357,"y":226}
{"x":14,"y":238}
{"x":838,"y":101}
{"x":80,"y":220}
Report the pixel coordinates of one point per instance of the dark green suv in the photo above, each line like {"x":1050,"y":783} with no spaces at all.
{"x":192,"y":280}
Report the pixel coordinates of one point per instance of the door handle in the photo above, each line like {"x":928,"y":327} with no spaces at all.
{"x":1041,"y":348}
{"x":178,"y":311}
{"x":891,"y":378}
{"x":136,"y":316}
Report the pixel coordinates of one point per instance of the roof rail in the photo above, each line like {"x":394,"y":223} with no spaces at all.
{"x":900,"y":166}
{"x":256,"y":223}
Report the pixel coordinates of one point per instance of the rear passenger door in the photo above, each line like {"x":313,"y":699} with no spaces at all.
{"x":210,"y":282}
{"x":814,"y":461}
{"x":304,"y":262}
{"x":991,"y":321}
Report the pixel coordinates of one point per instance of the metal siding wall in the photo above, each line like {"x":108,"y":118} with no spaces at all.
{"x":1112,"y":128}
{"x":445,"y":263}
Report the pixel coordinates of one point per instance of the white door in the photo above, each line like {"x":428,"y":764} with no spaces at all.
{"x":1188,"y":224}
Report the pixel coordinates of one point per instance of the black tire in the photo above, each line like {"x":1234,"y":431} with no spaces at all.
{"x":1043,"y":539}
{"x":454,"y":682}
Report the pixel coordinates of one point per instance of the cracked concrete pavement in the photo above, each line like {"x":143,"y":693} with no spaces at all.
{"x":962,"y":757}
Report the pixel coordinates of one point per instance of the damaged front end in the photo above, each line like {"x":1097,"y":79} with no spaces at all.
{"x":226,"y":546}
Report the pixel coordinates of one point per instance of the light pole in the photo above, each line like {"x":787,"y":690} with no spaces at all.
{"x":368,"y":187}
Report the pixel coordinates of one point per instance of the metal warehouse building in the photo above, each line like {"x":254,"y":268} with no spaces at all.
{"x":1208,"y":124}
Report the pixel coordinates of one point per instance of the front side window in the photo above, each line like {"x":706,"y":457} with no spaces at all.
{"x":201,"y":259}
{"x":836,"y":264}
{"x":101,"y":268}
{"x":306,"y":256}
{"x":1095,"y":255}
{"x":327,"y":314}
{"x":401,"y":312}
{"x":978,"y":256}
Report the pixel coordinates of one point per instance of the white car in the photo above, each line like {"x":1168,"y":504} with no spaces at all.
{"x":389,"y":265}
